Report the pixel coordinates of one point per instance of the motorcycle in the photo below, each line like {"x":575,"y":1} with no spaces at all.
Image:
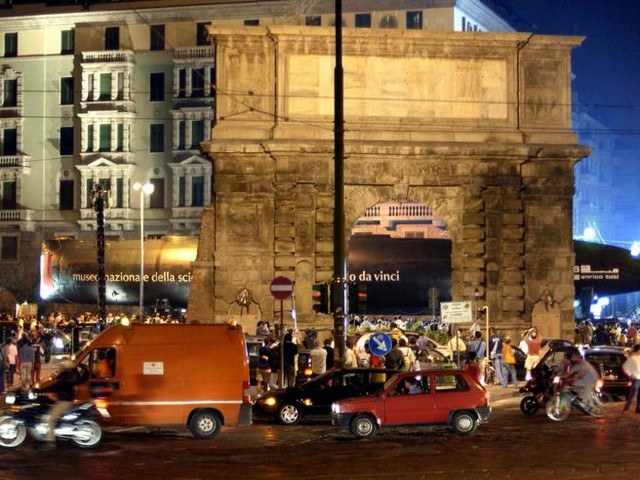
{"x":28,"y":413}
{"x":565,"y":399}
{"x":539,"y":389}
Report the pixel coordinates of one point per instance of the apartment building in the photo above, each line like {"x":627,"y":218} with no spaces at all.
{"x":117,"y":93}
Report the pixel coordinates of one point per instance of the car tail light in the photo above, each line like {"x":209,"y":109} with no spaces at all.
{"x":246,"y":393}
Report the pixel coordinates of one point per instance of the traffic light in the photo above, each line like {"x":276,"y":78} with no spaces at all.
{"x":320,"y":295}
{"x":357,"y":297}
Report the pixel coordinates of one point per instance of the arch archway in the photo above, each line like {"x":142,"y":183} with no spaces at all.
{"x":399,"y":260}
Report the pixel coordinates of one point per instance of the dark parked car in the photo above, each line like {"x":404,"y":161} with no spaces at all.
{"x":314,"y":398}
{"x":607,"y":361}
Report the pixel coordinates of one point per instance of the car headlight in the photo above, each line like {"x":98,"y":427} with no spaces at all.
{"x":269,"y":401}
{"x":335,"y":408}
{"x":58,"y":343}
{"x":10,"y":398}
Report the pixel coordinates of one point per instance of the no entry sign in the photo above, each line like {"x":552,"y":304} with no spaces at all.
{"x":281,"y":288}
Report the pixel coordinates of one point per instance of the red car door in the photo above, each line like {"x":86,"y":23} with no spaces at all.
{"x":403,"y":408}
{"x":454,"y":392}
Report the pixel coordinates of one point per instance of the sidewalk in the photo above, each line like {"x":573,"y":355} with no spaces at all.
{"x":497,"y":392}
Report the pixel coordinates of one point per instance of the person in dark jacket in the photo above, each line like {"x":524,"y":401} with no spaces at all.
{"x":395,"y":358}
{"x":290,"y":350}
{"x":330,"y":353}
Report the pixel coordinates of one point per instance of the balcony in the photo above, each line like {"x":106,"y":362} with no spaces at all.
{"x":20,"y":162}
{"x":108,"y":56}
{"x":22,"y":218}
{"x":206,"y":54}
{"x":109,"y":214}
{"x":187,"y":213}
{"x":115,"y":219}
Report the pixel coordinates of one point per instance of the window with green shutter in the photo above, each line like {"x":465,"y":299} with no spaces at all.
{"x":105,"y":138}
{"x":105,"y":86}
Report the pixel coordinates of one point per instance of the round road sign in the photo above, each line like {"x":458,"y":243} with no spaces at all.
{"x":380,"y":344}
{"x":281,"y":288}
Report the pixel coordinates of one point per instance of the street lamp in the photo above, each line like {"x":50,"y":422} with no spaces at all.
{"x":146,"y":189}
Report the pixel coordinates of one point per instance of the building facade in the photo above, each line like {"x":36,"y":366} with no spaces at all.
{"x":115,"y":93}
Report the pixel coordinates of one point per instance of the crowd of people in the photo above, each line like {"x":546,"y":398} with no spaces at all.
{"x":22,"y":356}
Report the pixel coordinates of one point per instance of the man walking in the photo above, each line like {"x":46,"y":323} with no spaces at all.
{"x":495,"y":353}
{"x":632,"y":368}
{"x":10,"y":356}
{"x":289,"y":350}
{"x":318,"y":359}
{"x":25,"y":359}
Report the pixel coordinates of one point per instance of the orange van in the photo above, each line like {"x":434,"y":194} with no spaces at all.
{"x":193,"y":375}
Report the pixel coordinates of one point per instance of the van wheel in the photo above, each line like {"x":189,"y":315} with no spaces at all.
{"x":205,"y":424}
{"x":464,"y":423}
{"x":289,"y":414}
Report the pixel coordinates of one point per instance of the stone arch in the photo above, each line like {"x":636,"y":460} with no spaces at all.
{"x":388,"y":245}
{"x":496,"y":169}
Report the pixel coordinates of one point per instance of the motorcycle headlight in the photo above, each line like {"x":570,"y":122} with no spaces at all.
{"x":10,"y":398}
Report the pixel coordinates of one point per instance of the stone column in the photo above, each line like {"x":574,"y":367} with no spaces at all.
{"x":203,"y":287}
{"x":86,"y":80}
{"x":187,"y":80}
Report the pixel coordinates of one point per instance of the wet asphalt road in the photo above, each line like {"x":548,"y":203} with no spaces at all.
{"x":511,"y":446}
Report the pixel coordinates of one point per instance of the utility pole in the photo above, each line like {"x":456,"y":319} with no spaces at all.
{"x":98,"y":205}
{"x":339,"y":286}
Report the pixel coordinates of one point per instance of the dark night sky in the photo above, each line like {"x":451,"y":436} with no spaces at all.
{"x":606,"y":65}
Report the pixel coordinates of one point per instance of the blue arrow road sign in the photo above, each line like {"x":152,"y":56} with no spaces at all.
{"x":380,"y":344}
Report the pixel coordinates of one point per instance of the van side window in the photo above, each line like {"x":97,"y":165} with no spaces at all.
{"x":103,"y":362}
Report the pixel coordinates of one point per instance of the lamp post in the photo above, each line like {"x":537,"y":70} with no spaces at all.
{"x":146,"y":189}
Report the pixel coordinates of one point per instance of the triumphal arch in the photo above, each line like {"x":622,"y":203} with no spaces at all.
{"x":475,"y":125}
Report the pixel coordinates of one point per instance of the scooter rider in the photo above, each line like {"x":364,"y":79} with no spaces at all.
{"x":63,"y":389}
{"x":580,"y":376}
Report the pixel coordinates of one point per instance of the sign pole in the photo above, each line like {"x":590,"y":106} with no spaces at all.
{"x":281,"y":288}
{"x":281,"y":345}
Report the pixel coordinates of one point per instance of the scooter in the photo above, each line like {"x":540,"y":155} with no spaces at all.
{"x":563,"y":400}
{"x":539,"y":389}
{"x":28,"y":413}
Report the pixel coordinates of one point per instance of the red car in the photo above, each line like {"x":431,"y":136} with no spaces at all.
{"x":450,"y":398}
